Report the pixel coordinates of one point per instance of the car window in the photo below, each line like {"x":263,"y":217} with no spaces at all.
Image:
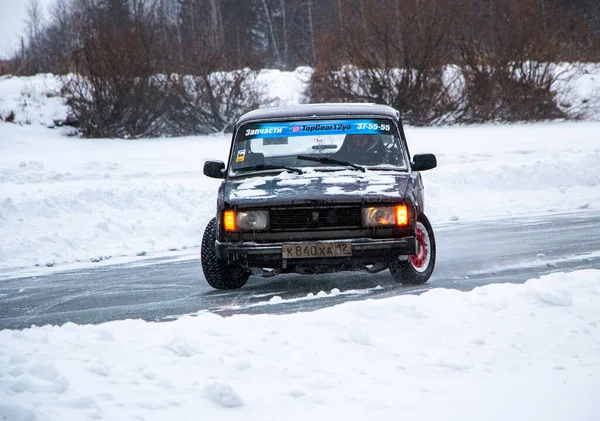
{"x":373,"y":143}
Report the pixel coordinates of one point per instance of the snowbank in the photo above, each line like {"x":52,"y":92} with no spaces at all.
{"x":502,"y":171}
{"x":36,"y":100}
{"x":66,"y":199}
{"x":286,"y":87}
{"x":518,"y":352}
{"x":32,"y":100}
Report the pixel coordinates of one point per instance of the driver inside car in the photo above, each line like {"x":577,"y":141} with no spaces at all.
{"x":364,"y":149}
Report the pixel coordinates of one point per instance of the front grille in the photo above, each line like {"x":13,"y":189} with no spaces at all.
{"x":315,"y":218}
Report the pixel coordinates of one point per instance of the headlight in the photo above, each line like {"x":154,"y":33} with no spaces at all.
{"x":376,"y":216}
{"x":253,"y":220}
{"x":245,"y":220}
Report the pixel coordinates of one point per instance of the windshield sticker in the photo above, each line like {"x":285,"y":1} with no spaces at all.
{"x":262,"y":131}
{"x":275,"y":141}
{"x":241,"y":155}
{"x":318,"y":127}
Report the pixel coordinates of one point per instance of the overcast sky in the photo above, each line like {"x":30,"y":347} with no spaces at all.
{"x":12,"y":23}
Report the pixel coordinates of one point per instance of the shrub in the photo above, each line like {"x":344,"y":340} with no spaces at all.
{"x":398,"y":58}
{"x":10,"y":117}
{"x":211,"y":102}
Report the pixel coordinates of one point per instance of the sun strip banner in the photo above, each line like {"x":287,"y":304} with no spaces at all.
{"x":313,"y":127}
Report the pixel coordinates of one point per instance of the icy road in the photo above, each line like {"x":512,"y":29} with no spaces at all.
{"x":470,"y":254}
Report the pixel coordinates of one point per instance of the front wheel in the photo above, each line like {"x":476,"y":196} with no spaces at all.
{"x":219,"y":274}
{"x":418,"y":268}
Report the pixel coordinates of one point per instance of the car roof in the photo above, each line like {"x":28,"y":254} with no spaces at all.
{"x":319,"y":111}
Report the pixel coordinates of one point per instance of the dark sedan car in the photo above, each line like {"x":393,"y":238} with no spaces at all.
{"x":319,"y":188}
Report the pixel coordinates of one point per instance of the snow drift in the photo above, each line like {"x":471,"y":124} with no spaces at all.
{"x":519,"y":352}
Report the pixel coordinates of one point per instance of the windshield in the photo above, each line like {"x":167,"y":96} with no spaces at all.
{"x":319,"y":144}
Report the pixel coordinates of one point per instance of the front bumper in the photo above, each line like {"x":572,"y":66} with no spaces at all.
{"x":365,"y":251}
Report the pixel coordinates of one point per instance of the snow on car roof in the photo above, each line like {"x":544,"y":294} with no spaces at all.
{"x":319,"y":110}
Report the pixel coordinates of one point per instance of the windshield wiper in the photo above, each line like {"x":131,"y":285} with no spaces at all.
{"x":262,"y":167}
{"x":325,"y":160}
{"x":387,"y":169}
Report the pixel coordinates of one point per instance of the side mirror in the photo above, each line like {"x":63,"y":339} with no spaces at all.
{"x":214,"y":169}
{"x":424,"y":161}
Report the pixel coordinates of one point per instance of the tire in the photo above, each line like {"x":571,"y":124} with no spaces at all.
{"x":418,"y":268}
{"x":219,"y":274}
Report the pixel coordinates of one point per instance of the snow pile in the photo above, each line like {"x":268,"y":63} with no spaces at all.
{"x":501,"y":171}
{"x":499,"y":352}
{"x":67,"y":199}
{"x":580,"y":90}
{"x":32,"y":100}
{"x":286,"y":88}
{"x":36,"y":100}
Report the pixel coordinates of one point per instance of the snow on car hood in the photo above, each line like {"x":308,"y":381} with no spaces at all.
{"x":289,"y":188}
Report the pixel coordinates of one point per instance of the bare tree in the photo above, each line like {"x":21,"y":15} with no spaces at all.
{"x":399,"y":63}
{"x":36,"y":60}
{"x":284,"y":32}
{"x":513,"y":78}
{"x":311,"y":31}
{"x":115,"y":90}
{"x":209,"y":102}
{"x":216,"y":25}
{"x":271,"y":32}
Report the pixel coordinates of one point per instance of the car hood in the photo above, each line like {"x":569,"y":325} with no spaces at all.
{"x":291,"y":188}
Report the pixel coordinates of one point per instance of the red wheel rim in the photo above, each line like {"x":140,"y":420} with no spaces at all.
{"x":420,"y":261}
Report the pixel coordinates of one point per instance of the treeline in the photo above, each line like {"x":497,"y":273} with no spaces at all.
{"x":153,"y":67}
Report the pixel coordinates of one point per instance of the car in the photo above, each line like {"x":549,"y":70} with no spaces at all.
{"x":319,"y":188}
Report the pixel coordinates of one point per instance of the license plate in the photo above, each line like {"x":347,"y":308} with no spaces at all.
{"x":303,"y":251}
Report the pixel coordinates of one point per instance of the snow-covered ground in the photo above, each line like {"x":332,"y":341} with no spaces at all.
{"x":33,"y":100}
{"x":65,"y":199}
{"x":500,"y":352}
{"x":519,"y":352}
